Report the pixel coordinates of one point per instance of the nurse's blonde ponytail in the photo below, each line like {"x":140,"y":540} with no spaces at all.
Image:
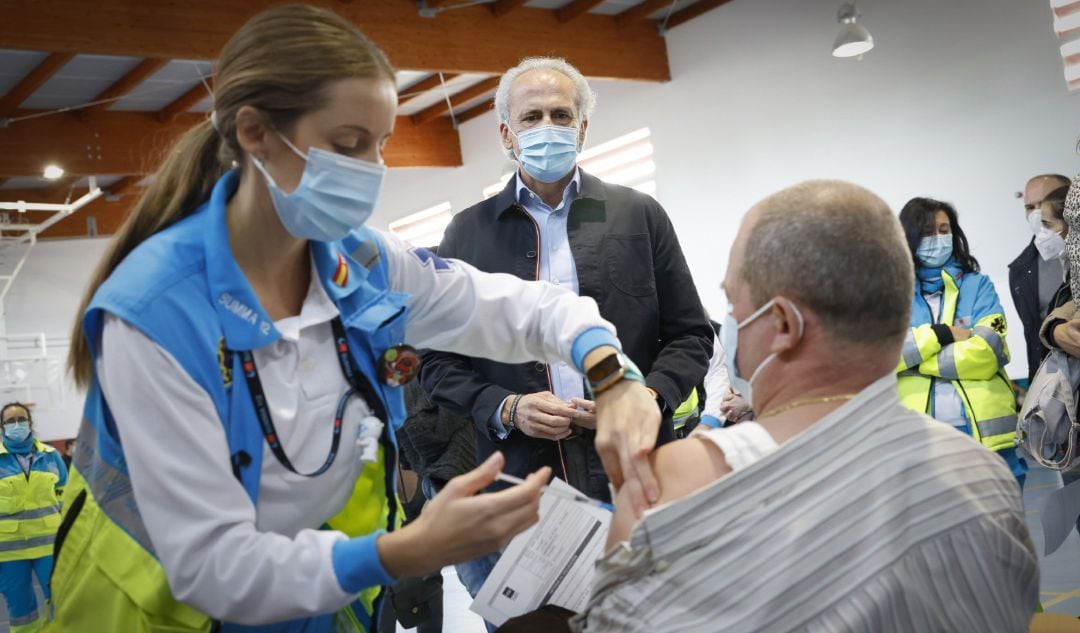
{"x":280,"y":62}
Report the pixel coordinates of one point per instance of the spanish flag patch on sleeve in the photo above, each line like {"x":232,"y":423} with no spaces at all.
{"x":341,"y":275}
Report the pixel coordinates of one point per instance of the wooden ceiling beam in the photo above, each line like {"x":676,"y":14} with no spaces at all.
{"x":184,"y":102}
{"x":61,"y":187}
{"x":436,"y":110}
{"x":476,"y":111}
{"x":197,"y":29}
{"x":122,"y":86}
{"x":641,"y":12}
{"x":133,"y":143}
{"x":123,"y":186}
{"x":32,"y":81}
{"x":422,"y":86}
{"x":575,"y":9}
{"x":689,"y":13}
{"x":502,"y":7}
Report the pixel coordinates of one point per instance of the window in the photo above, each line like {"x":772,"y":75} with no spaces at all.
{"x":495,"y":188}
{"x":627,"y":160}
{"x":423,"y":228}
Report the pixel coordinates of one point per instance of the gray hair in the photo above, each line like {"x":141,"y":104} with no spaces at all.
{"x":584,"y":100}
{"x":836,"y":248}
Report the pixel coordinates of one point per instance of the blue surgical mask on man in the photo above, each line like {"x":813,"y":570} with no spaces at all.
{"x":17,"y":431}
{"x":547,"y":153}
{"x":336,"y":195}
{"x":729,"y":340}
{"x":935,"y":250}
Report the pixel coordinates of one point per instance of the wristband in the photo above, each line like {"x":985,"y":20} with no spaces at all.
{"x":513,"y":411}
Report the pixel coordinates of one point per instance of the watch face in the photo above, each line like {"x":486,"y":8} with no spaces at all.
{"x":598,"y":372}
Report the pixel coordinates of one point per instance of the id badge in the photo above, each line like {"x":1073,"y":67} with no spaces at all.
{"x":367,"y":439}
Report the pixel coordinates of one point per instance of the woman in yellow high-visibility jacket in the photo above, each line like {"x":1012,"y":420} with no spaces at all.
{"x":953,"y":364}
{"x":32,"y":475}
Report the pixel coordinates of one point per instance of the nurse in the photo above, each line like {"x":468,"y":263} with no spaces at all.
{"x":32,"y":476}
{"x":242,"y":345}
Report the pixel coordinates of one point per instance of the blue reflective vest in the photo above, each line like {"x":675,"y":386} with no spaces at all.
{"x":183,"y":289}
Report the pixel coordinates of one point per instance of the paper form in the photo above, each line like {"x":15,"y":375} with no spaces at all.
{"x":550,"y":563}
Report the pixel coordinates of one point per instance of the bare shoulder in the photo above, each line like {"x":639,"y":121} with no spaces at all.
{"x":680,"y":467}
{"x":687,"y":465}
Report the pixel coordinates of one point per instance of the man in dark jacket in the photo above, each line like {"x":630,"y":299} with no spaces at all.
{"x":1033,"y":280}
{"x":554,"y":222}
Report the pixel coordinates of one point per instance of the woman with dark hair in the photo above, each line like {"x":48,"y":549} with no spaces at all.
{"x":32,"y":478}
{"x":1061,"y":329}
{"x":953,"y":364}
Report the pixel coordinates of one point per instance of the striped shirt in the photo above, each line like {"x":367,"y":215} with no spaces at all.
{"x":876,"y":518}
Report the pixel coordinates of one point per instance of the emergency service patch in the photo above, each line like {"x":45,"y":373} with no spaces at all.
{"x":425,"y":256}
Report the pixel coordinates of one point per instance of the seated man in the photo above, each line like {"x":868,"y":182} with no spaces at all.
{"x":837,"y":509}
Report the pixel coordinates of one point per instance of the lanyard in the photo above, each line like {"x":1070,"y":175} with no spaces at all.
{"x":358,"y":382}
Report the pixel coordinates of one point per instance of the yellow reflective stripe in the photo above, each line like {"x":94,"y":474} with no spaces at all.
{"x":952,"y":296}
{"x":994,"y":341}
{"x":687,"y":407}
{"x":36,"y":513}
{"x":923,"y":344}
{"x":38,"y":541}
{"x":946,"y":363}
{"x":351,"y":618}
{"x":997,"y":426}
{"x":110,"y":488}
{"x":911,"y":355}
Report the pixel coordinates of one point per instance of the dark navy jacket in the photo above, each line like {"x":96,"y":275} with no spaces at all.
{"x":1024,"y":287}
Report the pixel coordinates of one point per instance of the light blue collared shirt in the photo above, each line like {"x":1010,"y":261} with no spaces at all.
{"x":557,"y":267}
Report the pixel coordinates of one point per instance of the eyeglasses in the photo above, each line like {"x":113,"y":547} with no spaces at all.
{"x":16,"y":420}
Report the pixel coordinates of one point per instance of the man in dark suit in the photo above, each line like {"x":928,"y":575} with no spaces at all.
{"x":1033,"y":279}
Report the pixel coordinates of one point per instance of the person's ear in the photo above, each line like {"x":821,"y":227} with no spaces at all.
{"x":789,"y":324}
{"x":252,"y":132}
{"x":506,"y":137}
{"x":581,"y":134}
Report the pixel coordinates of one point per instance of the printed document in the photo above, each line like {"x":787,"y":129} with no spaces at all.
{"x":550,"y":563}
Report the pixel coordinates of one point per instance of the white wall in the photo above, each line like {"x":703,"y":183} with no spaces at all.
{"x":961,"y":100}
{"x":45,"y":298}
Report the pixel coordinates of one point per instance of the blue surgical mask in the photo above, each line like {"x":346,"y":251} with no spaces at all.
{"x":729,"y":340}
{"x":934,"y":251}
{"x":17,"y":432}
{"x":547,"y":153}
{"x":336,"y":195}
